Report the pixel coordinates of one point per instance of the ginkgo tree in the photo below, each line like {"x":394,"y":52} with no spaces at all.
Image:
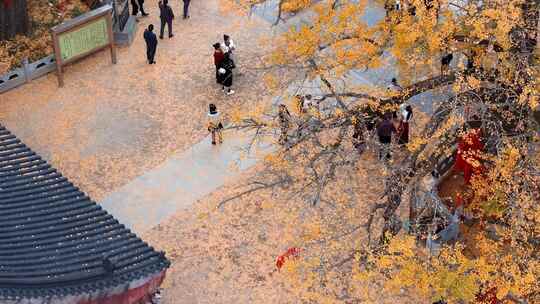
{"x":351,"y":257}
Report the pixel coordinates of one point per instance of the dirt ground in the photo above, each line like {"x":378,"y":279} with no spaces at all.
{"x":110,"y":123}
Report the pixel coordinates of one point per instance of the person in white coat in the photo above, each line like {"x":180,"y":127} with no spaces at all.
{"x":214,"y":124}
{"x":228,"y":45}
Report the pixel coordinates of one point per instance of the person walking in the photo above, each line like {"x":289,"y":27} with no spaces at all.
{"x":151,"y":44}
{"x":166,"y":16}
{"x":384,"y":133}
{"x":134,"y":7}
{"x":186,"y":8}
{"x":141,"y":7}
{"x":225,"y":73}
{"x":406,"y":114}
{"x":284,"y":118}
{"x":215,"y":126}
{"x":218,"y":58}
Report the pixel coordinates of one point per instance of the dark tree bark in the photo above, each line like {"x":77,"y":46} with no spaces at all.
{"x":13,"y":18}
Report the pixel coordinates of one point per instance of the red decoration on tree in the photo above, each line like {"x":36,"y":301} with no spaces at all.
{"x":488,"y":297}
{"x":469,"y":148}
{"x":291,"y":252}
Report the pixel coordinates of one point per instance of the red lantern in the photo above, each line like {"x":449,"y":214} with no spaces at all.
{"x":469,"y":148}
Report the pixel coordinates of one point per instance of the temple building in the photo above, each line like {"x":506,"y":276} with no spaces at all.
{"x":59,"y":246}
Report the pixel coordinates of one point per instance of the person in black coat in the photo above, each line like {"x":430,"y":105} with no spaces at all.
{"x":385,"y":129}
{"x":134,"y":8}
{"x":225,"y":73}
{"x":445,"y":63}
{"x":151,"y":44}
{"x":166,"y":16}
{"x":186,"y":9}
{"x":141,"y":7}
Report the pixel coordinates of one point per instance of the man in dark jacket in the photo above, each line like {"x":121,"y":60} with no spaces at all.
{"x":134,"y":8}
{"x":384,"y":132}
{"x":151,"y":43}
{"x":166,"y":16}
{"x":141,"y":3}
{"x":186,"y":9}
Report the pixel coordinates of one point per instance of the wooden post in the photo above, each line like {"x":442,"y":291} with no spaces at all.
{"x":58,"y":59}
{"x":111,"y":38}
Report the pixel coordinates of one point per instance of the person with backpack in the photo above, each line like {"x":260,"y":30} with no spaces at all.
{"x":166,"y":16}
{"x":215,"y":126}
{"x":225,"y":74}
{"x":151,"y":44}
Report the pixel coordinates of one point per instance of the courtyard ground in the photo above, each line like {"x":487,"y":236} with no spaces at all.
{"x":112,"y":123}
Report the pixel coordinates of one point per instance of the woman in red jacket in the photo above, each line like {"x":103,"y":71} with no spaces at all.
{"x":218,"y":58}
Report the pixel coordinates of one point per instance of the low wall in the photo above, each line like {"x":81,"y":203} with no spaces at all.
{"x":26,"y":73}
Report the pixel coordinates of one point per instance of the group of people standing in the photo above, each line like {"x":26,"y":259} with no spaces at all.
{"x":224,"y":63}
{"x":386,"y":128}
{"x":409,"y":7}
{"x":166,"y":16}
{"x":392,"y":126}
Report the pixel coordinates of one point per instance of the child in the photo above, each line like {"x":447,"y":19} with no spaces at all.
{"x":214,"y":124}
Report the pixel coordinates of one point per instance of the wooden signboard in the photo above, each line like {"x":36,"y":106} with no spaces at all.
{"x":83,"y":36}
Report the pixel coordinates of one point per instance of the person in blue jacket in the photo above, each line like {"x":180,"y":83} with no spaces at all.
{"x":151,"y":44}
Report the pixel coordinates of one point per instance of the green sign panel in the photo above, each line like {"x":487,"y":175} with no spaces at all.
{"x":89,"y":37}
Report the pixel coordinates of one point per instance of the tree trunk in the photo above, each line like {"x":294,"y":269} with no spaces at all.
{"x":13,"y":18}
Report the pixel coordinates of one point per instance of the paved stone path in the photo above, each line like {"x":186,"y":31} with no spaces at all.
{"x":182,"y":179}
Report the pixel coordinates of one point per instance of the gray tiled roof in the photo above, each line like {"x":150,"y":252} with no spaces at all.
{"x":56,"y":241}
